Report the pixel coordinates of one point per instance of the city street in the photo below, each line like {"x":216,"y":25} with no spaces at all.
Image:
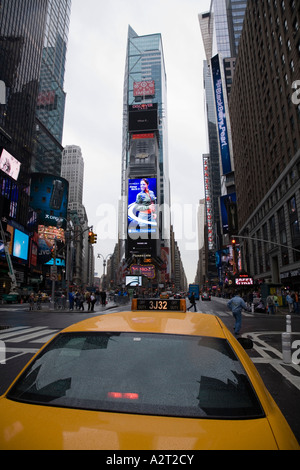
{"x":23,"y":333}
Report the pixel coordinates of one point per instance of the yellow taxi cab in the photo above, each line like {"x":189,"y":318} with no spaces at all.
{"x":154,"y":378}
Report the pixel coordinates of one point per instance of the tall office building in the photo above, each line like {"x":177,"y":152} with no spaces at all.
{"x":145,"y":154}
{"x":221,"y":29}
{"x":72,"y":169}
{"x":265,"y":116}
{"x":51,"y":97}
{"x":32,"y":56}
{"x":22,"y":26}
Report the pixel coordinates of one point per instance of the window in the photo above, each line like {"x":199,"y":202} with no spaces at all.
{"x":140,"y":373}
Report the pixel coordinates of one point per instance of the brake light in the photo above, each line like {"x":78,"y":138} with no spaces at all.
{"x":126,"y":396}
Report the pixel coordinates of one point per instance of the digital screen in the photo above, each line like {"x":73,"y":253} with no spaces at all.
{"x":21,"y":244}
{"x":175,"y":305}
{"x":49,"y":198}
{"x":9,"y":165}
{"x":142,"y":216}
{"x":221,"y":116}
{"x":132,"y":281}
{"x":140,"y":120}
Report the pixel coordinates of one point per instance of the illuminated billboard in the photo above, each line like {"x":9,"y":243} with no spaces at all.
{"x":46,"y":237}
{"x":142,"y":217}
{"x":143,"y":118}
{"x":229,"y":214}
{"x":9,"y":165}
{"x":208,"y":203}
{"x":133,"y":281}
{"x":221,"y":115}
{"x":21,"y":245}
{"x":49,"y":198}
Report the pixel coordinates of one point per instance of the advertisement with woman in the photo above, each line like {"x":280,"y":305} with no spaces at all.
{"x":142,"y":217}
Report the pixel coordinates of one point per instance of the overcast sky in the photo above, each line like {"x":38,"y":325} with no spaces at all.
{"x":94,"y":107}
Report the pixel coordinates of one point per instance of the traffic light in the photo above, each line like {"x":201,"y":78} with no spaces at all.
{"x":92,"y":238}
{"x":53,"y":253}
{"x":233,"y":241}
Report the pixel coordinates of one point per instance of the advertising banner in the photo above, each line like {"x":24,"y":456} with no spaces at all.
{"x":9,"y":165}
{"x":228,"y":210}
{"x":142,"y":217}
{"x":144,"y":88}
{"x":49,"y":198}
{"x":143,"y":118}
{"x":221,"y":115}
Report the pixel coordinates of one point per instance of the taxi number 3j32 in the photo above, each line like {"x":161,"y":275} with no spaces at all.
{"x":158,"y":305}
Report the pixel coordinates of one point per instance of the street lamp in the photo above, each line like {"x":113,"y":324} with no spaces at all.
{"x":104,"y":265}
{"x":68,"y":257}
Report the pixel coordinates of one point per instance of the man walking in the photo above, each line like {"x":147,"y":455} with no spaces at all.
{"x":193,"y":302}
{"x":236,"y":305}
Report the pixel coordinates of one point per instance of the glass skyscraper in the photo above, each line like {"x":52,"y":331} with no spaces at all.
{"x":145,"y":149}
{"x":221,"y":28}
{"x":51,"y":97}
{"x":22,"y":26}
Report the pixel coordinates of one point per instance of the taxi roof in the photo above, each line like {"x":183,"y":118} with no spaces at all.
{"x":188,"y":323}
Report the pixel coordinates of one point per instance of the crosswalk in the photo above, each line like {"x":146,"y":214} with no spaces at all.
{"x":32,"y":335}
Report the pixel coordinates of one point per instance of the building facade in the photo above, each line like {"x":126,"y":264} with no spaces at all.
{"x":221,"y":29}
{"x":22,"y":26}
{"x":50,"y":108}
{"x":145,"y":156}
{"x":72,"y":168}
{"x":265,"y":118}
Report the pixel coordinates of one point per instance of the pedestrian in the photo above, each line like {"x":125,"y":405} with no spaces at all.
{"x":290,"y":302}
{"x":93,"y":301}
{"x":31,"y":302}
{"x":236,"y":305}
{"x":71,"y":301}
{"x":103,"y":298}
{"x":295,"y":302}
{"x":271,"y":305}
{"x":276,"y":303}
{"x":77,"y":300}
{"x":81,"y":300}
{"x":193,"y":302}
{"x":88,"y":300}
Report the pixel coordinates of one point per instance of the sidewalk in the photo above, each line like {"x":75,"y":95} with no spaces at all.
{"x":282,"y":310}
{"x":46,"y":307}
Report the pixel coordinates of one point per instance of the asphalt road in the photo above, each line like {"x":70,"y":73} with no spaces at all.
{"x":23,"y":333}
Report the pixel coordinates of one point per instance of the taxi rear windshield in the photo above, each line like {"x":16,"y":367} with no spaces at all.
{"x":167,"y":375}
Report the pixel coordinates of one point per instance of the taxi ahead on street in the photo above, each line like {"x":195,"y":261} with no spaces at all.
{"x":154,"y":378}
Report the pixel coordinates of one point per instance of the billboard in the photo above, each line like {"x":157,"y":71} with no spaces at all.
{"x":46,"y":236}
{"x":208,"y":203}
{"x":144,"y":88}
{"x":133,"y":281}
{"x":142,"y":217}
{"x":9,"y":165}
{"x":228,"y":210}
{"x":143,"y":118}
{"x":221,"y":115}
{"x":21,"y":245}
{"x":49,"y":198}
